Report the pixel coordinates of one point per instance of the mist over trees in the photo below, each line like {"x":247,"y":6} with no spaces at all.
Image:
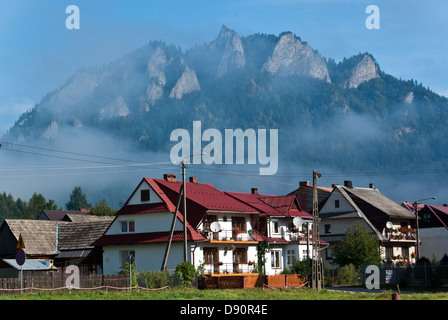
{"x":11,"y":208}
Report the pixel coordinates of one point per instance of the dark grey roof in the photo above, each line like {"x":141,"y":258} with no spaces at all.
{"x":81,"y":235}
{"x":58,"y":215}
{"x":39,"y":236}
{"x":376,"y":199}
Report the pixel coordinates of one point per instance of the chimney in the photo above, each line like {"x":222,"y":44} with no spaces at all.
{"x":170,"y":177}
{"x":254,"y":190}
{"x":304,"y":183}
{"x":194,"y":179}
{"x":348,"y":184}
{"x":371,"y":185}
{"x":445,"y":204}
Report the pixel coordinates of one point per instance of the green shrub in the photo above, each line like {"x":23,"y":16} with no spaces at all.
{"x":187,"y":273}
{"x":348,"y":274}
{"x":158,"y":279}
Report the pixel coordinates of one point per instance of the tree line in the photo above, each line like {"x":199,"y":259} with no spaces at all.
{"x":11,"y":208}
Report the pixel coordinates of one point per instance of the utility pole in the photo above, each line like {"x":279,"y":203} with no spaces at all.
{"x":417,"y":230}
{"x":417,"y":225}
{"x":173,"y":224}
{"x":185,"y":211}
{"x":316,"y":274}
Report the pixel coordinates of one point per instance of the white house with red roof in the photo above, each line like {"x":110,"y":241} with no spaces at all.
{"x":141,"y":229}
{"x":275,"y":225}
{"x":223,"y":229}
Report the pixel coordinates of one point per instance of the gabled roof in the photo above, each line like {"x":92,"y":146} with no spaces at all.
{"x":270,"y":205}
{"x":166,"y":206}
{"x":207,"y":196}
{"x":81,"y":235}
{"x":440,"y":214}
{"x":86,"y":218}
{"x":305,"y":195}
{"x":59,"y":215}
{"x":145,"y":238}
{"x":202,"y":199}
{"x":144,"y":208}
{"x":39,"y":236}
{"x":374,"y":198}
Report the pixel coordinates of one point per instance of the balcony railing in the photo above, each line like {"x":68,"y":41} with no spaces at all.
{"x":229,"y":268}
{"x":402,"y":233}
{"x":229,"y":235}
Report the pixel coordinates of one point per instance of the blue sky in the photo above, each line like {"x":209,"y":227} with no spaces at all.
{"x":38,"y":53}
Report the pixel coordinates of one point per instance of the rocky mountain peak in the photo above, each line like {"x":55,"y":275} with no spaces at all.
{"x":292,"y":57}
{"x":232,"y":57}
{"x":187,"y":83}
{"x":366,"y":69}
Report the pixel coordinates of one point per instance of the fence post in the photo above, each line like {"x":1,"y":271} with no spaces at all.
{"x":363,"y":274}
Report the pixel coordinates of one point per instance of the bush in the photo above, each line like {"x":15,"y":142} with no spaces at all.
{"x":348,"y":274}
{"x":186,"y":272}
{"x":302,"y":267}
{"x":125,"y":270}
{"x":158,"y":279}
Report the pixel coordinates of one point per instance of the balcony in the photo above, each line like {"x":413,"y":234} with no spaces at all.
{"x":233,"y":236}
{"x":402,"y":234}
{"x":229,"y":268}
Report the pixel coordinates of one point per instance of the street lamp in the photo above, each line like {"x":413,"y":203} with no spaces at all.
{"x":416,"y":221}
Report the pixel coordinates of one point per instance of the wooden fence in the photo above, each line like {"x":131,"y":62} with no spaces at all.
{"x":251,"y":281}
{"x":57,"y":280}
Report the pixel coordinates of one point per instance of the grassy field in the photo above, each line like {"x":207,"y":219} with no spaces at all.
{"x":224,"y":294}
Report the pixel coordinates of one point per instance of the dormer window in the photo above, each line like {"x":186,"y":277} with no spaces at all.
{"x":144,"y":195}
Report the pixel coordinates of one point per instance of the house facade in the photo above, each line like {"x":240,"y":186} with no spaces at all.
{"x":433,"y":229}
{"x":392,"y":224}
{"x":223,"y":229}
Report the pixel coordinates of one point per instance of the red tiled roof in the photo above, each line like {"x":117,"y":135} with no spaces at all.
{"x":254,"y":201}
{"x":143,"y":208}
{"x":207,"y":196}
{"x":271,"y":205}
{"x":145,"y":238}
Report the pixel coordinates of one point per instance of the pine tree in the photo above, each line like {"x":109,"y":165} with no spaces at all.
{"x":78,"y":200}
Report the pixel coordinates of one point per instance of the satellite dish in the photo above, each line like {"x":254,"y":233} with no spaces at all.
{"x":389,"y":225}
{"x":215,"y":226}
{"x":297,"y":221}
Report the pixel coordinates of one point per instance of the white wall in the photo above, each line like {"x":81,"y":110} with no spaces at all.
{"x":148,"y":257}
{"x":434,"y":242}
{"x":153,"y":197}
{"x":148,"y":222}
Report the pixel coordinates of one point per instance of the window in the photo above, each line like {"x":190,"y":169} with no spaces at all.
{"x":239,"y":224}
{"x":144,"y":195}
{"x":240,"y":255}
{"x":405,"y":252}
{"x":336,"y":203}
{"x":127,"y":226}
{"x":328,"y":228}
{"x":290,"y":254}
{"x":210,"y":255}
{"x":275,"y":259}
{"x":127,"y":256}
{"x":275,"y":227}
{"x":208,"y":220}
